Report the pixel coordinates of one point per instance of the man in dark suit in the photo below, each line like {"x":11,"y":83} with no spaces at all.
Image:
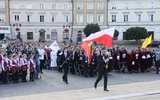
{"x":85,"y":65}
{"x":64,"y":64}
{"x":101,"y":68}
{"x":73,"y":58}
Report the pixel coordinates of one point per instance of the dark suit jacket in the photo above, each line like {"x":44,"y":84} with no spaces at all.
{"x":100,"y":63}
{"x":84,"y":60}
{"x":64,"y":59}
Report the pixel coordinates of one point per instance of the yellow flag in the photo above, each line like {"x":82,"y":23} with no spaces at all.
{"x":147,"y":42}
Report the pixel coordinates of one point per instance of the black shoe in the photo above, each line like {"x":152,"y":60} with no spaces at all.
{"x":63,"y":79}
{"x":95,"y":86}
{"x":106,"y":90}
{"x":67,"y":83}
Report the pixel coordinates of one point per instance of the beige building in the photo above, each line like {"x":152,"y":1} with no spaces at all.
{"x":36,"y":20}
{"x":86,"y":12}
{"x":124,"y":14}
{"x":4,"y":19}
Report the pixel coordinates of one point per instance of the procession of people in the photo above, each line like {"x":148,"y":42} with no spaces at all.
{"x":17,"y":60}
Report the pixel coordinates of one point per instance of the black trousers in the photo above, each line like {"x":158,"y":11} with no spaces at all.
{"x":4,"y":77}
{"x":16,"y":77}
{"x":73,"y":66}
{"x":157,"y":66}
{"x":41,"y":65}
{"x":85,"y":69}
{"x":65,"y":69}
{"x":0,"y":77}
{"x":103,"y":73}
{"x":91,"y":70}
{"x":24,"y":74}
{"x":32,"y":76}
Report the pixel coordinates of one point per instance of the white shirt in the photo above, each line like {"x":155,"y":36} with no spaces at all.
{"x":41,"y":52}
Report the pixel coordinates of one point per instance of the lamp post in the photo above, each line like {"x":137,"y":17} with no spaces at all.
{"x":71,"y":38}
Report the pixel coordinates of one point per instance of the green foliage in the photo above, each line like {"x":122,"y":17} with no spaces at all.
{"x":135,"y":33}
{"x":91,"y":28}
{"x":116,"y":33}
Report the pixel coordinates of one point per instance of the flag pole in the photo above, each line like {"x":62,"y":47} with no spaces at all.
{"x":67,"y":58}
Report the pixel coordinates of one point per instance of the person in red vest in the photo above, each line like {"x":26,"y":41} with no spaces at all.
{"x":31,"y":66}
{"x":1,"y":56}
{"x":24,"y":67}
{"x":15,"y":69}
{"x":5,"y":67}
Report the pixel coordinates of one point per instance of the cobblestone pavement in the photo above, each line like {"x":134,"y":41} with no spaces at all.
{"x":52,"y":82}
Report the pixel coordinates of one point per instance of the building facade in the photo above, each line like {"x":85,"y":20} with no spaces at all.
{"x":65,"y":20}
{"x":42,"y":20}
{"x":124,"y":14}
{"x":4,"y":19}
{"x":87,"y":12}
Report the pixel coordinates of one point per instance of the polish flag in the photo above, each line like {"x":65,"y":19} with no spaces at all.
{"x":104,"y":37}
{"x":54,"y":46}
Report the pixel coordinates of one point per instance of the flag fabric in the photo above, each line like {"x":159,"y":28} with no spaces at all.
{"x":87,"y":48}
{"x":104,"y":37}
{"x":54,"y":46}
{"x":147,"y":42}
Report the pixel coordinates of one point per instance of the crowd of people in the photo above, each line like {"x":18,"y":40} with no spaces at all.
{"x":18,"y":59}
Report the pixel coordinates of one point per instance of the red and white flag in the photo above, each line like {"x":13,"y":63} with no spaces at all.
{"x":54,"y":46}
{"x":104,"y":37}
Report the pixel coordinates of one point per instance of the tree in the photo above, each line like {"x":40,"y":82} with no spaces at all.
{"x":91,"y":28}
{"x":135,"y":33}
{"x":116,"y":34}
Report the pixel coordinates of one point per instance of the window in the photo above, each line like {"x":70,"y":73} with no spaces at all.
{"x":138,"y":5}
{"x":138,"y":17}
{"x":65,"y":6}
{"x":125,"y":5}
{"x":89,"y":5}
{"x":41,"y":18}
{"x":151,"y":5}
{"x":2,"y":17}
{"x":99,"y":5}
{"x":79,"y":37}
{"x":100,"y":18}
{"x":54,"y":18}
{"x":125,"y":18}
{"x":2,"y":4}
{"x":29,"y":18}
{"x":65,"y":18}
{"x":65,"y":35}
{"x":113,"y":5}
{"x":80,"y":5}
{"x":30,"y":35}
{"x":54,"y":6}
{"x":29,"y":6}
{"x":16,"y":18}
{"x":79,"y":18}
{"x":90,"y":18}
{"x":54,"y":34}
{"x":113,"y":18}
{"x":16,"y":5}
{"x":150,"y":17}
{"x":41,"y":6}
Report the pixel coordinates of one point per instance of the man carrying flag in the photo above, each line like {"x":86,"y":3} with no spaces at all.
{"x":104,"y":37}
